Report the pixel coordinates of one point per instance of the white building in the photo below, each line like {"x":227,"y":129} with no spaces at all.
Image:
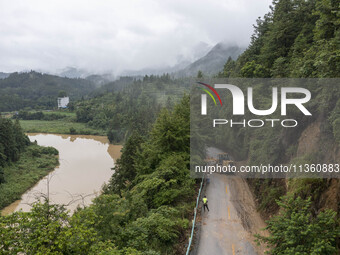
{"x":63,"y":102}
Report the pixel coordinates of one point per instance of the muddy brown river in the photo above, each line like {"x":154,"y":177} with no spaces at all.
{"x":85,"y":165}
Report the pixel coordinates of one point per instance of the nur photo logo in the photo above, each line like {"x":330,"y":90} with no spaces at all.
{"x":281,"y":97}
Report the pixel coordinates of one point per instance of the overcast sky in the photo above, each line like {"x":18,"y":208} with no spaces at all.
{"x":105,"y":35}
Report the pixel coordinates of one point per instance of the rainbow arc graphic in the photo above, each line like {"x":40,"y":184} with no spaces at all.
{"x":209,"y":93}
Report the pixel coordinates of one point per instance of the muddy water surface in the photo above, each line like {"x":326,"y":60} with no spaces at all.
{"x":85,"y":165}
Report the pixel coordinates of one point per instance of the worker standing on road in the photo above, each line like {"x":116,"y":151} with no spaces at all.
{"x":205,"y":203}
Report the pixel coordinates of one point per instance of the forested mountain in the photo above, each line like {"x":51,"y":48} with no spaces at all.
{"x":193,"y":54}
{"x":296,"y":39}
{"x":38,"y":91}
{"x":100,"y":79}
{"x":212,"y":62}
{"x":73,"y":73}
{"x":128,"y":105}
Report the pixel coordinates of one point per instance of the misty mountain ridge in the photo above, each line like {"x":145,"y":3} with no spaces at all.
{"x":201,"y":57}
{"x":157,"y":71}
{"x":183,"y":60}
{"x":4,"y":75}
{"x":76,"y":73}
{"x":73,"y":72}
{"x":213,"y":61}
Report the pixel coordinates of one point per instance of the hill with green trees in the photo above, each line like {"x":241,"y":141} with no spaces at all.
{"x":299,"y":39}
{"x":33,"y":90}
{"x":128,"y":105}
{"x":145,"y":208}
{"x":295,"y":39}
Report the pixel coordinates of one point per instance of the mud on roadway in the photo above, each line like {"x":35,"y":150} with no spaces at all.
{"x":230,"y":225}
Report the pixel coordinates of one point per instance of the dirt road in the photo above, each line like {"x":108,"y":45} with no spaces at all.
{"x":229,"y":226}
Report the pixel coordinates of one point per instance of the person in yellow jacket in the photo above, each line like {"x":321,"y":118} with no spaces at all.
{"x":205,"y":203}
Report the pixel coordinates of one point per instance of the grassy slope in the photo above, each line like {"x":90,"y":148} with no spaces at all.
{"x":33,"y":164}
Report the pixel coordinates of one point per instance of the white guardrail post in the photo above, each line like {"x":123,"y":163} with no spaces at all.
{"x":194,"y":220}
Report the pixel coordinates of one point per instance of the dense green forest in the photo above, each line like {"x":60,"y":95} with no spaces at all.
{"x":22,"y":163}
{"x":299,"y":39}
{"x":295,"y":39}
{"x":34,"y":90}
{"x":128,"y":107}
{"x":143,"y":210}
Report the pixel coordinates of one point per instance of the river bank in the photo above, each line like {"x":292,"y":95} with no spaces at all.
{"x":34,"y":163}
{"x":85,"y":165}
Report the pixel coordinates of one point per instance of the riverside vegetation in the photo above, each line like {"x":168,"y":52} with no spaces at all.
{"x":22,"y":163}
